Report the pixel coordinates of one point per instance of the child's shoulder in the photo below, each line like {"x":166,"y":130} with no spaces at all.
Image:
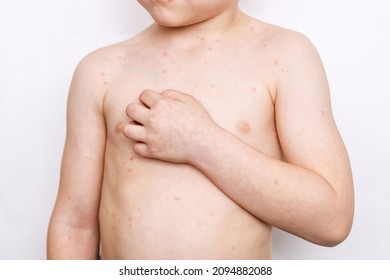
{"x":106,"y":60}
{"x":277,"y":36}
{"x":118,"y":50}
{"x":279,"y":40}
{"x":105,"y":55}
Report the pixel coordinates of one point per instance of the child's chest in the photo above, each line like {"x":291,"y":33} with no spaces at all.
{"x":234,"y":92}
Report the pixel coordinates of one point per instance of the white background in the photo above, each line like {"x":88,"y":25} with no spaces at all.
{"x":42,"y":41}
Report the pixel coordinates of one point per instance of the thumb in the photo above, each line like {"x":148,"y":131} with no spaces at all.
{"x":174,"y":94}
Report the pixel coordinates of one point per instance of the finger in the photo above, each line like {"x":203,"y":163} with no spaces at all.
{"x":135,"y":132}
{"x":142,"y":149}
{"x":149,"y":97}
{"x":137,"y":112}
{"x":174,"y":94}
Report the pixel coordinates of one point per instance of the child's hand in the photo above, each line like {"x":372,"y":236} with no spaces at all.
{"x":170,"y":126}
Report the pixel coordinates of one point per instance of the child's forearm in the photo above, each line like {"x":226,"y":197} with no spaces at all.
{"x":294,"y":199}
{"x":70,"y":243}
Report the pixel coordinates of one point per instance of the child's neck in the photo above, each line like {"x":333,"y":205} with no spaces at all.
{"x":211,"y":29}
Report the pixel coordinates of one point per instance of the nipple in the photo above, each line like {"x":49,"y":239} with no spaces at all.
{"x":243,"y":126}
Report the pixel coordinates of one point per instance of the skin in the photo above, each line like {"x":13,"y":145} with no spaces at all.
{"x":196,"y":137}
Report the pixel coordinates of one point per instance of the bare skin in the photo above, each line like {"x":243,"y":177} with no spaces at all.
{"x":193,"y":142}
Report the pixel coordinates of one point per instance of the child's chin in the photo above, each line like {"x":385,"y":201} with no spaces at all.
{"x":168,"y":20}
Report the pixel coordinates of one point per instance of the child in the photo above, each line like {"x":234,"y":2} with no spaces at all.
{"x":197,"y":136}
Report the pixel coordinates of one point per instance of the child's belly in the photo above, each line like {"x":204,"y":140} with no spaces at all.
{"x":157,"y":210}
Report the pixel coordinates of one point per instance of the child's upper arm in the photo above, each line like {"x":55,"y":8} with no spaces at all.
{"x":306,"y":128}
{"x":83,"y":158}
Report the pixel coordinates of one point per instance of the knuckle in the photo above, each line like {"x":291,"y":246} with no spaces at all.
{"x":159,"y":105}
{"x":153,"y":122}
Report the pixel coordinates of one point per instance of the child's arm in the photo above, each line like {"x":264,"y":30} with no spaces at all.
{"x":74,"y":226}
{"x":309,"y":195}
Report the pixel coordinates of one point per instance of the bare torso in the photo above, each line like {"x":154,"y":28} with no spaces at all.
{"x":152,"y":209}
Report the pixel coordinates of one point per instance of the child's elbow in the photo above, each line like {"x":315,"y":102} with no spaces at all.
{"x":335,"y":238}
{"x":335,"y":233}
